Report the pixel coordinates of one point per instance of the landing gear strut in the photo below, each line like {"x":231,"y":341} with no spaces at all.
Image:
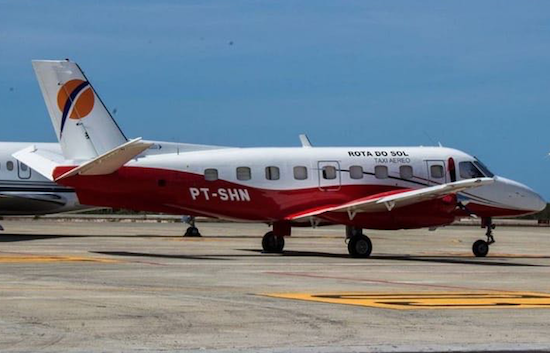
{"x":359,"y":245}
{"x":481,"y":247}
{"x":192,"y":231}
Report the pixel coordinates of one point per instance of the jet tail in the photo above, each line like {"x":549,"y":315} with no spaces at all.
{"x":83,"y":125}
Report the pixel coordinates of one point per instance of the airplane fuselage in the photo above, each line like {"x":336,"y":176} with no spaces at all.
{"x":272,"y":184}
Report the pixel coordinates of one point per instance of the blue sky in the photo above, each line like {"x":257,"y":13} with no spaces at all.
{"x":474,"y":75}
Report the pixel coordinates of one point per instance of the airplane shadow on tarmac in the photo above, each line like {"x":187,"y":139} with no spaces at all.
{"x":424,"y":258}
{"x":8,"y":238}
{"x":258,"y":253}
{"x":163,"y":256}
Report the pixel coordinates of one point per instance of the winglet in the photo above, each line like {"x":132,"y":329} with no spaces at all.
{"x":305,"y":141}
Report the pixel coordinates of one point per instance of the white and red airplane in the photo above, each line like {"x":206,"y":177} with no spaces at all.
{"x":360,"y":187}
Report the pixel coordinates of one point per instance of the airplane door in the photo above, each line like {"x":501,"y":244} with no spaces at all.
{"x":23,"y":171}
{"x":437,"y":173}
{"x":329,"y":175}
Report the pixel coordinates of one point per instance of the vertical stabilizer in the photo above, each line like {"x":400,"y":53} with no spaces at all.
{"x":83,"y":125}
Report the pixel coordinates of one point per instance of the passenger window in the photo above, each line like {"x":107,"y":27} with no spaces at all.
{"x":406,"y":172}
{"x":24,"y":167}
{"x":356,"y":172}
{"x":436,"y":171}
{"x":329,"y":172}
{"x":9,"y":165}
{"x":469,"y":171}
{"x":272,"y":173}
{"x":243,"y":173}
{"x":210,"y":174}
{"x":381,"y":172}
{"x":300,"y":173}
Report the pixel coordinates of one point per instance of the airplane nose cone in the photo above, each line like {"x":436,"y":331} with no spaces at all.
{"x":523,"y":197}
{"x":539,"y":204}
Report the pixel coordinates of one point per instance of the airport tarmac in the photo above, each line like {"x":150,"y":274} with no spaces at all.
{"x":86,"y":286}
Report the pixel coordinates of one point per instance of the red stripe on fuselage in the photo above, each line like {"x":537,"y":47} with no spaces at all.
{"x":176,"y":192}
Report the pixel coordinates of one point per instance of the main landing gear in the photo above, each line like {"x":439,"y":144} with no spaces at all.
{"x":359,"y":245}
{"x":274,"y":241}
{"x":481,"y":247}
{"x":192,"y":231}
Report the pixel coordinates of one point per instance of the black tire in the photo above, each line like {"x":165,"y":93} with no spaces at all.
{"x":192,"y":232}
{"x":272,"y":243}
{"x":360,"y":246}
{"x":480,"y":248}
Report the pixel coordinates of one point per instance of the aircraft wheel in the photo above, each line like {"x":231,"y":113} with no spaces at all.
{"x":192,"y":232}
{"x":360,"y":246}
{"x":272,"y":243}
{"x":480,"y":248}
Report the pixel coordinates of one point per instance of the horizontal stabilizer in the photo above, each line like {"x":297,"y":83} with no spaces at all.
{"x":110,"y":161}
{"x":389,"y":201}
{"x":42,"y":161}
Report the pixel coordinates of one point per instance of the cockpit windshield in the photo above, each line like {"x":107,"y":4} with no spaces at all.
{"x":474,"y":169}
{"x":469,"y":171}
{"x":483,"y":168}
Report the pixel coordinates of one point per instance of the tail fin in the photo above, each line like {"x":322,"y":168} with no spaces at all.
{"x":83,"y":125}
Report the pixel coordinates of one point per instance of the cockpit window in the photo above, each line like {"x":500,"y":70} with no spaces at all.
{"x":483,"y":168}
{"x":469,"y":171}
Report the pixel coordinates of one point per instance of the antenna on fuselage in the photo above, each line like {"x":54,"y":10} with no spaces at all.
{"x":305,"y":141}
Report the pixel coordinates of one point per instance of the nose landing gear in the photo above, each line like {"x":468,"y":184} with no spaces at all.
{"x":481,"y":247}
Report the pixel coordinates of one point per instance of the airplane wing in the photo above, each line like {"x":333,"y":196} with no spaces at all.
{"x":390,"y":200}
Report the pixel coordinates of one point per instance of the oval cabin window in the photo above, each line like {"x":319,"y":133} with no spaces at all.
{"x":381,"y":172}
{"x":300,"y":173}
{"x":406,"y":172}
{"x":244,"y":173}
{"x":356,"y":172}
{"x":272,"y":173}
{"x":210,"y":174}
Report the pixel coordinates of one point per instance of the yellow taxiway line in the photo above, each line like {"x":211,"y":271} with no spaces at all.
{"x":432,"y":300}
